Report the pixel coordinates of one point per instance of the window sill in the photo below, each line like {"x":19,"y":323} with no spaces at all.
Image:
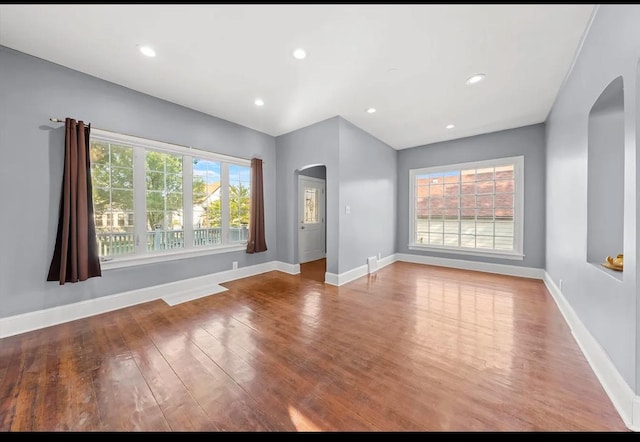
{"x":487,"y":254}
{"x":150,"y":258}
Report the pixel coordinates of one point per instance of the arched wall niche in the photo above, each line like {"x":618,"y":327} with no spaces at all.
{"x":605,"y":185}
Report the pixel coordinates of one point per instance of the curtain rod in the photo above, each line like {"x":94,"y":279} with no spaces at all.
{"x":62,"y":120}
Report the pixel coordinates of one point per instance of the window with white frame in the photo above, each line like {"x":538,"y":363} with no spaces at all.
{"x":152,"y":198}
{"x":471,"y":208}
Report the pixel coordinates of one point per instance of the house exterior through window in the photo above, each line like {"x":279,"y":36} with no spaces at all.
{"x":471,"y":208}
{"x":158,"y":199}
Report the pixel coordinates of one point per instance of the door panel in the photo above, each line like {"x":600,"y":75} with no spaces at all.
{"x":311,"y":217}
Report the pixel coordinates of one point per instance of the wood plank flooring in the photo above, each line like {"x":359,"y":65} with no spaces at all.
{"x":410,"y":348}
{"x":314,"y":269}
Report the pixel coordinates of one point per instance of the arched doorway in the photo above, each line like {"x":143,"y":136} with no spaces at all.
{"x":311,"y":222}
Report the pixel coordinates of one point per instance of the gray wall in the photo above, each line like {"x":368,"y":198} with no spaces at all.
{"x":358,"y":166}
{"x":605,"y":305}
{"x":32,"y":148}
{"x":307,"y":147}
{"x":528,"y":141}
{"x":368,"y":184}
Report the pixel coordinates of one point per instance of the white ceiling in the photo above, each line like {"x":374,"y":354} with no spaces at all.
{"x":408,"y":61}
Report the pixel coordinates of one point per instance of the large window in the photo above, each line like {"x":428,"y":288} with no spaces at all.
{"x":471,"y":208}
{"x":153,"y":198}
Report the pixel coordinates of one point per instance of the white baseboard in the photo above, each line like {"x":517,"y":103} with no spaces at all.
{"x":502,"y":269}
{"x":331,"y":278}
{"x":622,"y":396}
{"x":348,"y":276}
{"x":353,"y":274}
{"x":387,"y":260}
{"x":172,"y":293}
{"x":635,"y":425}
{"x":292,"y":269}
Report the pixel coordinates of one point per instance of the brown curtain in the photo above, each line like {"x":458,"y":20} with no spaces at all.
{"x":75,"y":257}
{"x":257,"y":242}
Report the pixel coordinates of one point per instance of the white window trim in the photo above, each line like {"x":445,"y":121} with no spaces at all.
{"x":518,"y":252}
{"x":145,"y":143}
{"x":466,"y":251}
{"x":173,"y":255}
{"x":140,"y":256}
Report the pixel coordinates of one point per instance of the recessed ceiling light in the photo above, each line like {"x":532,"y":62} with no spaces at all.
{"x":300,"y":54}
{"x":475,"y":79}
{"x":371,"y":110}
{"x":147,"y":50}
{"x":450,"y":126}
{"x":259,"y":102}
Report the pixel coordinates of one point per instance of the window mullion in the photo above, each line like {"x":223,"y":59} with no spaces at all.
{"x":475,"y":207}
{"x":518,"y":205}
{"x":224,"y":200}
{"x":165,"y":195}
{"x":494,"y":208}
{"x":139,"y":200}
{"x":187,"y":200}
{"x":413,"y":221}
{"x":460,"y":208}
{"x":110,"y":218}
{"x":414,"y":209}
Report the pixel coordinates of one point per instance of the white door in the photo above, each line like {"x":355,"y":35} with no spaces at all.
{"x":311,"y":219}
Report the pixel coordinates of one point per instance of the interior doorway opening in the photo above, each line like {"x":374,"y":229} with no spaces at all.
{"x":314,"y":269}
{"x":312,"y":222}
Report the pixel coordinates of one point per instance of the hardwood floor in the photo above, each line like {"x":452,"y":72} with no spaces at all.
{"x":411,"y":348}
{"x":314,"y":269}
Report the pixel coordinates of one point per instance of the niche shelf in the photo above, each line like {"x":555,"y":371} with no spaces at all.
{"x":605,"y":177}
